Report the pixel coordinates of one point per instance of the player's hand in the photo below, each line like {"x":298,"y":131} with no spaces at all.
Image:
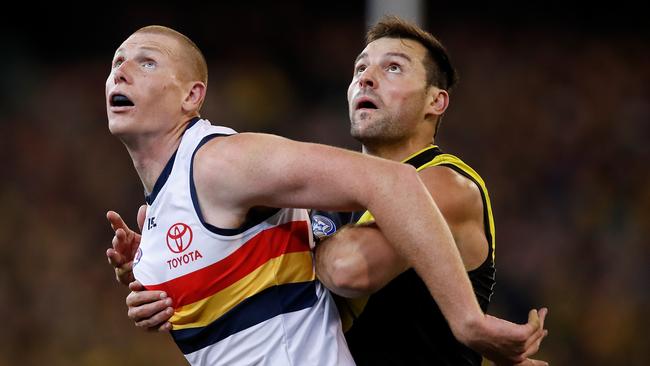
{"x":149,"y":310}
{"x":125,"y":244}
{"x":507,"y":343}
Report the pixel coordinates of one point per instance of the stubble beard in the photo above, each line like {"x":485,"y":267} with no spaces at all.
{"x":372,"y":130}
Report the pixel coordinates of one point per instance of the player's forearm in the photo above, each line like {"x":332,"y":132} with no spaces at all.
{"x":426,"y":243}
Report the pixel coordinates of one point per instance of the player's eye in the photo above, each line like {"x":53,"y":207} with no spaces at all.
{"x":149,"y":64}
{"x":394,"y":68}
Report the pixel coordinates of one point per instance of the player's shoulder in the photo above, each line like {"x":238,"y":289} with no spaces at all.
{"x":235,"y":148}
{"x":449,"y":178}
{"x":455,"y":193}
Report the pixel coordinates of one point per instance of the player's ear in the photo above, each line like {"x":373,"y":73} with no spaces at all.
{"x":194,"y":97}
{"x":438,"y":101}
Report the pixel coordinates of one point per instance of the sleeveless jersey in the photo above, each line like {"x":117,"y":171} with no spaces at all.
{"x":401,"y":324}
{"x":244,"y":296}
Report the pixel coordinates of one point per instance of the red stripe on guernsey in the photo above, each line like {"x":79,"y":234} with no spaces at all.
{"x":289,"y":237}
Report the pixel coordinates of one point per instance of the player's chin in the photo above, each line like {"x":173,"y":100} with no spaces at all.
{"x":118,"y":125}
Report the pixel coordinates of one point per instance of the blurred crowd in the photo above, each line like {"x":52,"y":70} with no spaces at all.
{"x":556,"y":119}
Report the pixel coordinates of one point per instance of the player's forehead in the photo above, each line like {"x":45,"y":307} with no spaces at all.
{"x":393,"y":47}
{"x":152,"y":42}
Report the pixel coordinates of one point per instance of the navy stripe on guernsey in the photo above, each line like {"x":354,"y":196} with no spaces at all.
{"x":254,"y":216}
{"x":252,"y":311}
{"x":164,"y":175}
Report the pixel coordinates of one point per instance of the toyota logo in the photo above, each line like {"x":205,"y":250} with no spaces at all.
{"x":179,"y":237}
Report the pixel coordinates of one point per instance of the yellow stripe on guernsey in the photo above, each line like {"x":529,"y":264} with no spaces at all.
{"x":288,"y":268}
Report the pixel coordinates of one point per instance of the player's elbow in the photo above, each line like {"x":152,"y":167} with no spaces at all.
{"x":344,"y":273}
{"x":350,"y":278}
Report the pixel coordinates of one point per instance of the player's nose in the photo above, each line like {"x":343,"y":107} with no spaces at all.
{"x":121,"y":74}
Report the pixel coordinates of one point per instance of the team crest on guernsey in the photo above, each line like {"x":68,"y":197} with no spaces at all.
{"x":322,"y":226}
{"x":179,"y":237}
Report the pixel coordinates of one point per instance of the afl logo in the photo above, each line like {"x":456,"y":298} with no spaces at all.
{"x":322,"y":226}
{"x":179,"y":237}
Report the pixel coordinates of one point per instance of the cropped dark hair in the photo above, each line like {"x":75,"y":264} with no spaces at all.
{"x":440,"y":72}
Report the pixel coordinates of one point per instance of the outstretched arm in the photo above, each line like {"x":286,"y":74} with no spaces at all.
{"x":239,"y":172}
{"x":358,"y":260}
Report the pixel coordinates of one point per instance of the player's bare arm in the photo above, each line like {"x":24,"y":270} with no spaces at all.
{"x":358,"y":261}
{"x":285,"y":173}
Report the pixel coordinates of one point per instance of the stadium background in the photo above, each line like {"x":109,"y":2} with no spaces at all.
{"x":553,"y":109}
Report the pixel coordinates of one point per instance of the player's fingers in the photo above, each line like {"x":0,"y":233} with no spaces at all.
{"x":126,"y":247}
{"x":137,"y":298}
{"x":166,"y":327}
{"x":115,"y":219}
{"x":124,"y":273}
{"x":119,"y":239}
{"x":540,"y":331}
{"x":532,"y":343}
{"x":150,"y":315}
{"x":136,"y":286}
{"x":157,"y":321}
{"x":534,"y":347}
{"x":115,"y":259}
{"x":533,"y":319}
{"x":534,"y":337}
{"x":543,"y":312}
{"x":145,"y":304}
{"x":531,"y":328}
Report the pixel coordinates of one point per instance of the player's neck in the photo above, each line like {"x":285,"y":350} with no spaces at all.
{"x":151,"y":153}
{"x":397,"y":151}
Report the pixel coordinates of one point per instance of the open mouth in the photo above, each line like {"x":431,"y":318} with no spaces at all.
{"x":366,"y":104}
{"x":119,"y":100}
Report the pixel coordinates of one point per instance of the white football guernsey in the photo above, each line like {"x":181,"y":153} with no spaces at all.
{"x":244,"y":296}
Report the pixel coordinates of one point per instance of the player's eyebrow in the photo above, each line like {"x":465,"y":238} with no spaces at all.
{"x":154,"y":49}
{"x":395,"y":54}
{"x":399,"y":54}
{"x":145,"y":48}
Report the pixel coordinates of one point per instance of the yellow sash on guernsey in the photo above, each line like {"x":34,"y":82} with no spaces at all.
{"x":350,"y":309}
